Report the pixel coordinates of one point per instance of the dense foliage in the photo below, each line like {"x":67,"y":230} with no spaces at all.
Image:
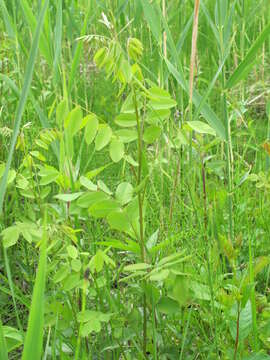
{"x":134,"y":179}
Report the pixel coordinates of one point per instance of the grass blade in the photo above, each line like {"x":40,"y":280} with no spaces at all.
{"x":7,"y":20}
{"x":22,"y":101}
{"x":76,"y":59}
{"x":58,"y":40}
{"x":30,"y":18}
{"x":245,"y":66}
{"x":34,"y":335}
{"x":211,"y":86}
{"x":152,"y":19}
{"x":206,"y":110}
{"x":11,"y":286}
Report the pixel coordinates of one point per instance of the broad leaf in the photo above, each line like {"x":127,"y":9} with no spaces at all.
{"x":103,"y":137}
{"x":117,"y":150}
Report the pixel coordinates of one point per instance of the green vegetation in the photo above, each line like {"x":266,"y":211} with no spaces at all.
{"x":134,"y":179}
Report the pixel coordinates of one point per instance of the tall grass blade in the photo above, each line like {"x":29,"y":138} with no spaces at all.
{"x":30,"y":18}
{"x":152,"y":19}
{"x":77,"y":55}
{"x":58,"y":40}
{"x":34,"y":336}
{"x":11,"y":286}
{"x":7,"y":20}
{"x":3,"y":345}
{"x":245,"y":66}
{"x":183,"y":35}
{"x":22,"y":101}
{"x":211,"y":86}
{"x":206,"y":110}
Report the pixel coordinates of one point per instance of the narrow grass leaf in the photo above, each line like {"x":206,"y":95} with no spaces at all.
{"x":58,"y":41}
{"x":7,"y":20}
{"x":34,"y":335}
{"x":32,"y":22}
{"x":22,"y":101}
{"x":245,"y":66}
{"x":206,"y":111}
{"x":77,"y":55}
{"x":152,"y":19}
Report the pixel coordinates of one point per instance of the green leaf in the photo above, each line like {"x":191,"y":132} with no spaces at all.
{"x":245,"y":323}
{"x":88,"y":184}
{"x":201,"y":127}
{"x":97,"y":262}
{"x":131,"y":161}
{"x":126,"y":136}
{"x":72,"y":251}
{"x":102,"y":186}
{"x":118,"y":220}
{"x":103,"y":208}
{"x":61,"y":274}
{"x":128,"y":105}
{"x":11,"y":174}
{"x":23,"y":97}
{"x":10,"y":236}
{"x":89,"y":315}
{"x":137,"y":267}
{"x":168,"y":306}
{"x":126,"y":120}
{"x":160,"y":276}
{"x":34,"y":336}
{"x":200,"y":291}
{"x":181,"y":290}
{"x":61,"y":113}
{"x":48,"y":175}
{"x":3,"y":345}
{"x":71,"y":282}
{"x":103,"y":137}
{"x":68,"y":197}
{"x":160,"y":99}
{"x":120,"y":245}
{"x":245,"y":66}
{"x":37,"y":155}
{"x":151,"y":134}
{"x":73,"y":121}
{"x":124,"y":193}
{"x":117,"y":150}
{"x":91,"y":128}
{"x":90,"y":198}
{"x":157,"y":116}
{"x":76,"y":265}
{"x":90,"y":327}
{"x":93,"y":173}
{"x":14,"y":338}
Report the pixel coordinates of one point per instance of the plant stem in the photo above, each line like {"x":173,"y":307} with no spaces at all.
{"x":228,"y":138}
{"x":237,"y":332}
{"x":82,"y":309}
{"x":140,"y":203}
